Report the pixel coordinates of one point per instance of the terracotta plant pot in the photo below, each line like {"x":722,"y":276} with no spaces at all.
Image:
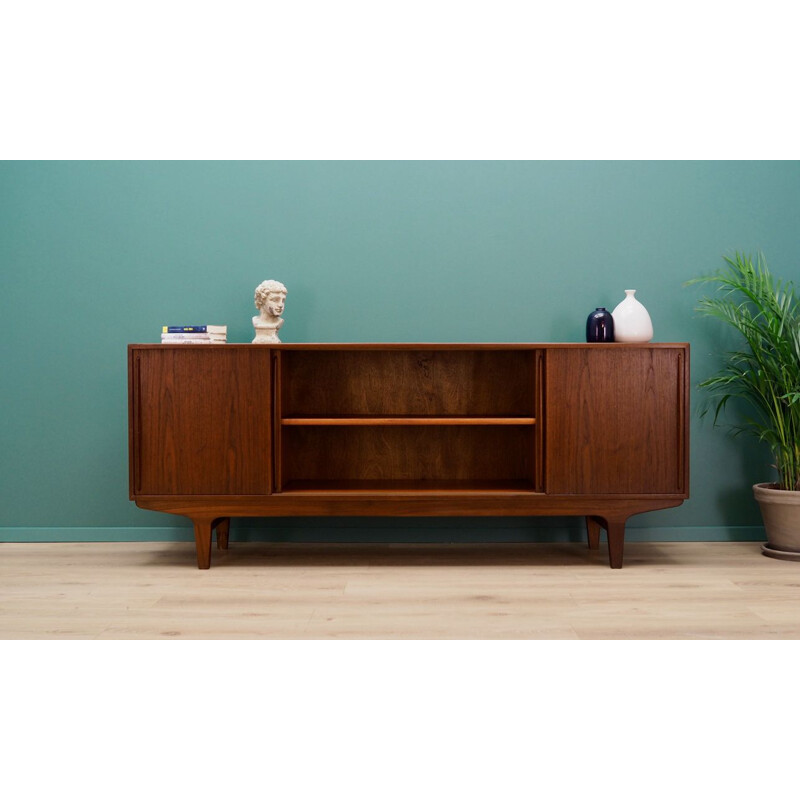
{"x":781,"y":512}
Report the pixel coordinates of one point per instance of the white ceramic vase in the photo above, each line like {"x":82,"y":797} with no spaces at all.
{"x":632,"y":323}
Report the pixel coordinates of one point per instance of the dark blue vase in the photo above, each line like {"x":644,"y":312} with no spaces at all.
{"x":600,"y":326}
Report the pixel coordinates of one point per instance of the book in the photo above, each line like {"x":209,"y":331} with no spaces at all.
{"x":219,"y":329}
{"x":182,"y":338}
{"x":194,"y":334}
{"x":193,"y":337}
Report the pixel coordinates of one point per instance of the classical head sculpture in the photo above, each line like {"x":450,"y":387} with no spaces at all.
{"x":270,"y":298}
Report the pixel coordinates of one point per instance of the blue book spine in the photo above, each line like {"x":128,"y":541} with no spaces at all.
{"x":184,"y":329}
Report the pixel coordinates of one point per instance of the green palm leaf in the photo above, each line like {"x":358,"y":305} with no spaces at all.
{"x":765,"y":374}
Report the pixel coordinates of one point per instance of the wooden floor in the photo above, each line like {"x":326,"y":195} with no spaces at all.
{"x":153,"y":590}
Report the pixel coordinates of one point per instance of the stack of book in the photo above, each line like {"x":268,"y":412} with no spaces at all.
{"x":194,"y":334}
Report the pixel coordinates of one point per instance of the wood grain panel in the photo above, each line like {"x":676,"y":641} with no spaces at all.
{"x":615,"y":420}
{"x":408,"y":453}
{"x":202,"y":420}
{"x":382,"y":383}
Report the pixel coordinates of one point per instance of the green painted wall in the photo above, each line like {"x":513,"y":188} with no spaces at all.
{"x":96,"y":255}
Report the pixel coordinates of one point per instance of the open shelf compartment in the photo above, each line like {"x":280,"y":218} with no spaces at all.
{"x":406,"y":383}
{"x":406,"y":420}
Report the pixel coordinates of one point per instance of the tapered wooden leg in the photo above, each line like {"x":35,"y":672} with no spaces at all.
{"x":202,"y":538}
{"x":593,"y":527}
{"x":223,"y":527}
{"x":616,"y":543}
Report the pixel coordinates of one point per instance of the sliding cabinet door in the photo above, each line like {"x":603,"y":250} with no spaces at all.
{"x":616,"y":419}
{"x":201,"y":420}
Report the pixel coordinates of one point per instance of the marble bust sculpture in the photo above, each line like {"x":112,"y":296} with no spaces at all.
{"x":270,"y":301}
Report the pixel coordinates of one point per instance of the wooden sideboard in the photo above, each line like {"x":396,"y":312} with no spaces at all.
{"x":595,"y":430}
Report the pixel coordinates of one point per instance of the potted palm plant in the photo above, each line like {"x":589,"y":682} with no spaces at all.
{"x":765,"y":374}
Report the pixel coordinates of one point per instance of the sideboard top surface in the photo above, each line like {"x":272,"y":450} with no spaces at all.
{"x":423,"y":345}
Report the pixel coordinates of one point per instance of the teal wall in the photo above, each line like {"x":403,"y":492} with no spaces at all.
{"x":96,"y":255}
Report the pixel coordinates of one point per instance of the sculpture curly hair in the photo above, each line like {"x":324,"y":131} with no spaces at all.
{"x":264,"y":289}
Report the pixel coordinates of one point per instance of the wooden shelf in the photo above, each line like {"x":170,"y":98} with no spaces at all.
{"x":399,"y":420}
{"x":410,"y":486}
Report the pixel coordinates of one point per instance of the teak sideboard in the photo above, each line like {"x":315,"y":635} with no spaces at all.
{"x":221,"y":431}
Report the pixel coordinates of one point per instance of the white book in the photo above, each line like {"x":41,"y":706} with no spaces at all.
{"x":193,"y":336}
{"x":193,"y":341}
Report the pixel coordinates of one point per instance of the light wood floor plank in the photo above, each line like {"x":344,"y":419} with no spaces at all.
{"x":153,"y":590}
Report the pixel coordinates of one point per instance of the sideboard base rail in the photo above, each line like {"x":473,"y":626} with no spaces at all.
{"x":208,"y":516}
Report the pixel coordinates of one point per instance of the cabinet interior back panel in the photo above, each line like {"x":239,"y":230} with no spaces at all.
{"x":408,"y":382}
{"x":417,"y":453}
